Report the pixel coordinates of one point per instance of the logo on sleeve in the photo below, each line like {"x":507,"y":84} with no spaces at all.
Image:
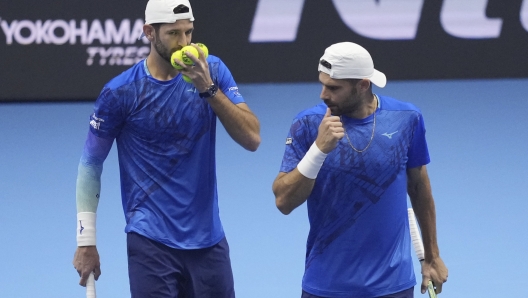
{"x":289,"y":141}
{"x":95,"y":122}
{"x":235,"y":91}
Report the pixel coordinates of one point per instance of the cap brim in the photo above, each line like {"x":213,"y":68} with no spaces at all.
{"x":378,"y":78}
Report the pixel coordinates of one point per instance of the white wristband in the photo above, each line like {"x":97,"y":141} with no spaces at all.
{"x":311,"y":163}
{"x":85,"y":228}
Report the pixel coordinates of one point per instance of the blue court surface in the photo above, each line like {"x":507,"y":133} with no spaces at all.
{"x":478,"y":140}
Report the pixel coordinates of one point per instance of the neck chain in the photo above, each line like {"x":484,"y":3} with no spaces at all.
{"x":373,"y":129}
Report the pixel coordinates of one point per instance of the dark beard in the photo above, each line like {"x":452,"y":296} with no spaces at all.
{"x":162,"y":51}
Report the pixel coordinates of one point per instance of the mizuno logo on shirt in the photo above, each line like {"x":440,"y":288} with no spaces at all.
{"x":389,"y":135}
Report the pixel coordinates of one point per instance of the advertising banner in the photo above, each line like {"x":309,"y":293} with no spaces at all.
{"x":68,"y":49}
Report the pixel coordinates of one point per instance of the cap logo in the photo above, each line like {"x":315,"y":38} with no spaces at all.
{"x":180,"y":9}
{"x":325,"y":64}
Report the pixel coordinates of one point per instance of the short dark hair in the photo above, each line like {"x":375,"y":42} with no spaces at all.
{"x":355,"y":81}
{"x":156,"y":26}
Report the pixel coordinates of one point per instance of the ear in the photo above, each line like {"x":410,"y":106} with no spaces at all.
{"x":364,"y":85}
{"x":149,"y":32}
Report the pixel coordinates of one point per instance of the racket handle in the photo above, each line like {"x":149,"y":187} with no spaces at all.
{"x":90,"y":286}
{"x":418,"y":247}
{"x":431,"y":290}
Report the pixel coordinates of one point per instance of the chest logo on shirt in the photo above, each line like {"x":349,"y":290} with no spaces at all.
{"x":389,"y":135}
{"x":95,"y":122}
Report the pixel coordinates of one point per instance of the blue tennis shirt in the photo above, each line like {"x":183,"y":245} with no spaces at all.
{"x":359,"y":243}
{"x":165,"y":135}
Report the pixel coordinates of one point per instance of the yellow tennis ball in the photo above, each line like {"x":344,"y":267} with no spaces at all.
{"x":191,"y":50}
{"x":176,"y":56}
{"x":204,"y":49}
{"x":187,"y":79}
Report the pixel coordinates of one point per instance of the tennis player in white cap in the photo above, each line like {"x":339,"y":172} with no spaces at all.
{"x":354,"y":158}
{"x":165,"y":128}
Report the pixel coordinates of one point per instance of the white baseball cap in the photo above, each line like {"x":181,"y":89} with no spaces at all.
{"x":347,"y":60}
{"x":167,"y":11}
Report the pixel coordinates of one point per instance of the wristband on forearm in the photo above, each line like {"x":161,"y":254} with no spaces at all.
{"x":85,"y":228}
{"x":311,"y":163}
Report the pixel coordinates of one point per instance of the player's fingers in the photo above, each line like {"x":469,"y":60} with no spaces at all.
{"x":336,"y":122}
{"x":438,"y":288}
{"x":332,"y":121}
{"x":328,"y":113}
{"x":201,"y":53}
{"x":83,"y":280}
{"x":97,"y":272}
{"x":339,"y":135}
{"x":191,"y":56}
{"x":181,"y":64}
{"x":338,"y":128}
{"x":84,"y":276}
{"x":425,"y":282}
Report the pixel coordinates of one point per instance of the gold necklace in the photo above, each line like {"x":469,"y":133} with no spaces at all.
{"x":373,"y":128}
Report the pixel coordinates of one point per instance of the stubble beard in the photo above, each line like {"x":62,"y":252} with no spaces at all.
{"x":162,"y":51}
{"x":351,"y":104}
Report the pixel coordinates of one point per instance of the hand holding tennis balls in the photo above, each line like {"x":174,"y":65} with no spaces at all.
{"x":189,"y":49}
{"x":176,"y":56}
{"x":181,"y":55}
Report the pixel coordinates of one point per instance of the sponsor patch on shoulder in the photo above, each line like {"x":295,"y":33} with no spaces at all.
{"x":289,"y":141}
{"x":95,"y":122}
{"x":235,"y":90}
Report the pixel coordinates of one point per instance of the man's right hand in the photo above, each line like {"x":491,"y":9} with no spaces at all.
{"x":330,"y":132}
{"x":86,"y":261}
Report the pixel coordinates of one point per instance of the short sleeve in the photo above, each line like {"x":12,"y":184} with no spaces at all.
{"x":225,"y":81}
{"x":418,"y":154}
{"x":298,"y":142}
{"x":108,"y":117}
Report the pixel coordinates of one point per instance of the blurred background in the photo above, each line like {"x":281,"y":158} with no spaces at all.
{"x":463,"y":63}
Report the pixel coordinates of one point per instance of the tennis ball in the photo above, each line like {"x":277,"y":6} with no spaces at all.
{"x":187,"y":79}
{"x":204,"y":49}
{"x":191,"y":50}
{"x":176,"y":56}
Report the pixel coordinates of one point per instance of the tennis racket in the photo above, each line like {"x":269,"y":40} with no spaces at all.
{"x":90,"y":286}
{"x":418,"y":247}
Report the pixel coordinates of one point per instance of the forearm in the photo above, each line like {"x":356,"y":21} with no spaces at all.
{"x":87,"y":200}
{"x":426,"y":215}
{"x":424,"y":207}
{"x":88,"y":187}
{"x":291,"y":190}
{"x":240,"y":123}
